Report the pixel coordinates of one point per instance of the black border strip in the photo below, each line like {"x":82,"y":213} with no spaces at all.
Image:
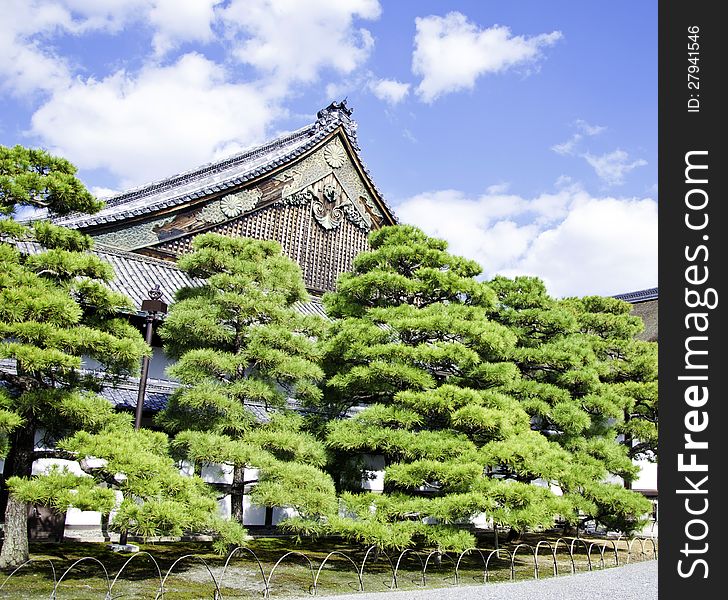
{"x":691,"y":121}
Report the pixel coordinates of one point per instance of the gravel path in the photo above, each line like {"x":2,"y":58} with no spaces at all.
{"x":637,"y":581}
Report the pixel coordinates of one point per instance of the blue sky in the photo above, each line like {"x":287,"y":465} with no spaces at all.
{"x":524,"y":133}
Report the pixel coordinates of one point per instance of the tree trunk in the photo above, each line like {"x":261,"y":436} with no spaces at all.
{"x":236,"y":494}
{"x":15,"y":547}
{"x":628,"y":443}
{"x":514,"y":535}
{"x":19,"y":463}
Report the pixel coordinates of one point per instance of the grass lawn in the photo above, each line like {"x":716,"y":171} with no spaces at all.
{"x":190,"y":579}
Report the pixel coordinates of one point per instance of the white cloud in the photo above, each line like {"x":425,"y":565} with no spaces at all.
{"x":173,"y":113}
{"x":605,"y":246}
{"x":26,"y":66}
{"x":583,"y":129}
{"x":568,"y":146}
{"x":578,"y":244}
{"x":103,"y":192}
{"x":498,"y":188}
{"x":451,"y":52}
{"x":588,"y":129}
{"x":28,"y":63}
{"x":177,"y":21}
{"x":389,"y":90}
{"x":409,"y":136}
{"x":613,"y":166}
{"x":163,"y":120}
{"x":290,"y":40}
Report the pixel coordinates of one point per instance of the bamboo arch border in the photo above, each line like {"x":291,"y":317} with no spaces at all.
{"x":462,"y":555}
{"x":240,"y":550}
{"x":553,"y":556}
{"x":28,"y":562}
{"x":378,"y":552}
{"x":513,"y":560}
{"x":280,"y":560}
{"x":630,"y":542}
{"x":351,"y":560}
{"x":601,"y":546}
{"x":73,"y":566}
{"x":497,"y":551}
{"x":160,"y":592}
{"x":442,"y":555}
{"x":419,"y":557}
{"x":132,"y":557}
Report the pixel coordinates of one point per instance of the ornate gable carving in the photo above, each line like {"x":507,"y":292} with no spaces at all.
{"x":326,"y":182}
{"x":347,"y":197}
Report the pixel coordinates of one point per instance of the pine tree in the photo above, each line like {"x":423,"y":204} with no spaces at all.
{"x":629,"y":372}
{"x":582,"y":374}
{"x":427,"y":374}
{"x":242,"y":345}
{"x":55,"y":309}
{"x":472,"y":392}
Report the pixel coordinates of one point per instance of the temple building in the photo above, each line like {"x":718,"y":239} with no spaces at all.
{"x":309,"y":190}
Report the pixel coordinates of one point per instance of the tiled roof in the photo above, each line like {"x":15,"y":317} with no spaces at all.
{"x":135,"y":274}
{"x":124,"y":396}
{"x":645,"y":307}
{"x":223,"y":174}
{"x":640,"y":296}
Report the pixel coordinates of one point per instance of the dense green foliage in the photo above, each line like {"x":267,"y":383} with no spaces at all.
{"x":56,"y":311}
{"x":585,"y":378}
{"x":482,"y":398}
{"x":32,"y":178}
{"x":242,"y":347}
{"x":471,"y":392}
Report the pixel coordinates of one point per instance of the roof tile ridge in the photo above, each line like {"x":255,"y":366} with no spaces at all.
{"x":100,"y":248}
{"x":368,"y":173}
{"x":645,"y":294}
{"x":211,"y":167}
{"x":315,"y":138}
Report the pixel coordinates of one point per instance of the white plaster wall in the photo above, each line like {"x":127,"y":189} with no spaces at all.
{"x":225,"y":506}
{"x":647,"y":478}
{"x":253,"y":514}
{"x":283,"y":513}
{"x":74,"y":516}
{"x":217,"y":473}
{"x":482,"y":521}
{"x":373,"y":474}
{"x":158,"y":364}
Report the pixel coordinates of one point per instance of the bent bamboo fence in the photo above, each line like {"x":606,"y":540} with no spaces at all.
{"x":524,"y":560}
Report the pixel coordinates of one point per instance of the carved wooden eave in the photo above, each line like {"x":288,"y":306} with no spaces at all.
{"x":309,"y":190}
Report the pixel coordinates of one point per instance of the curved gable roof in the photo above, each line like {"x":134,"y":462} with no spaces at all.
{"x":230,"y":172}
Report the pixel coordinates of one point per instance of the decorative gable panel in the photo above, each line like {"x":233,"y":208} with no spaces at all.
{"x":319,"y":210}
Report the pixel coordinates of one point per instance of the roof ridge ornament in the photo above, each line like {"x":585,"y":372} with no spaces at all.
{"x":338,"y":113}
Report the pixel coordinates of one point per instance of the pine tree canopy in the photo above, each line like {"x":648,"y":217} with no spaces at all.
{"x":241,"y":345}
{"x":55,"y":309}
{"x":57,"y":313}
{"x":31,"y":177}
{"x":472,"y":392}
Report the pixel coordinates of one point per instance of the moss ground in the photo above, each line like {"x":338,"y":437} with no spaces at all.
{"x":192,"y":576}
